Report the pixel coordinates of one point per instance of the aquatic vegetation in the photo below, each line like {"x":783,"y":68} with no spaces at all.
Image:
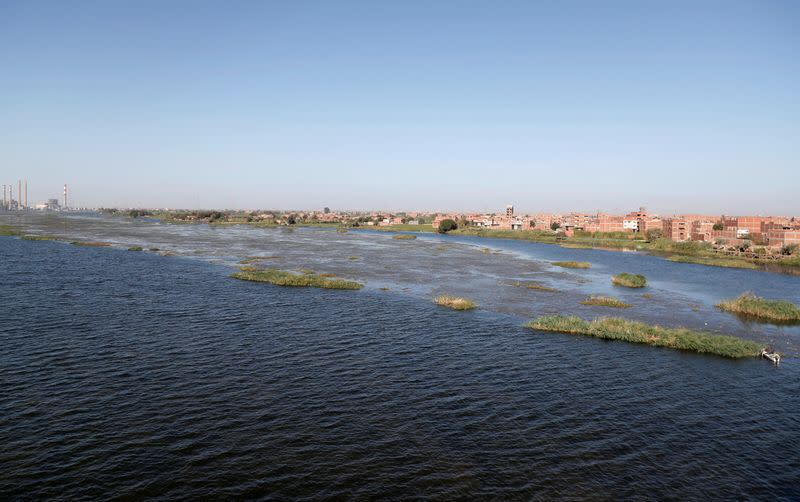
{"x":410,"y":237}
{"x":135,"y":248}
{"x":616,"y":328}
{"x":751,"y":305}
{"x":39,"y":238}
{"x":629,"y":280}
{"x":285,"y":278}
{"x":649,"y":296}
{"x":572,"y":264}
{"x":154,"y":249}
{"x":341,"y":230}
{"x":539,"y":287}
{"x":715,"y":261}
{"x":352,"y":258}
{"x":454,"y":302}
{"x":8,"y":230}
{"x":532,"y":285}
{"x":91,"y":244}
{"x":255,"y":259}
{"x":606,"y":301}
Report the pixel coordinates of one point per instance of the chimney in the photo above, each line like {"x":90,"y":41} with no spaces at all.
{"x":26,"y":194}
{"x":65,"y":195}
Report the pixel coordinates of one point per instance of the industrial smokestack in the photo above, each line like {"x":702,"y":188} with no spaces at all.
{"x":26,"y":194}
{"x":65,"y":195}
{"x":19,"y":194}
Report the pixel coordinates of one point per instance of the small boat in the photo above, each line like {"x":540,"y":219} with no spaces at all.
{"x":772,"y":356}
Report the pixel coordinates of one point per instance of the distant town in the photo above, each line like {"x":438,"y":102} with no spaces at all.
{"x":736,"y":231}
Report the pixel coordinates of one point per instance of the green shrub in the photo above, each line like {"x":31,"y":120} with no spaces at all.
{"x":447,"y":225}
{"x":629,"y":280}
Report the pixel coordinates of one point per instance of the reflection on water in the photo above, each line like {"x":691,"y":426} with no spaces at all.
{"x":484,"y":270}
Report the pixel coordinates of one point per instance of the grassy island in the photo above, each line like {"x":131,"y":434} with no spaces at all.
{"x":285,"y":278}
{"x":572,"y":264}
{"x":409,"y":237}
{"x":454,"y":302}
{"x":748,"y":304}
{"x":90,"y":244}
{"x":8,"y":230}
{"x":605,"y":301}
{"x":714,"y":261}
{"x":629,"y":280}
{"x":615,"y":328}
{"x":39,"y":238}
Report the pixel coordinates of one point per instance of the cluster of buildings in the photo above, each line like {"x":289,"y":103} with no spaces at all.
{"x":773,"y":231}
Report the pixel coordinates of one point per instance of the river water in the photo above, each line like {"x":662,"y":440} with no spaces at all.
{"x":129,"y":375}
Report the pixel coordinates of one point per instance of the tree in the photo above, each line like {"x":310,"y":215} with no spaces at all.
{"x":718,"y":226}
{"x":291,"y":220}
{"x":327,"y":210}
{"x":447,"y":225}
{"x":654,"y":234}
{"x":533,"y":223}
{"x":555,"y":226}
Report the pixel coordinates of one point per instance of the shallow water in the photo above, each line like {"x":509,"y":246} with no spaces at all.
{"x":131,"y":375}
{"x":485,"y":270}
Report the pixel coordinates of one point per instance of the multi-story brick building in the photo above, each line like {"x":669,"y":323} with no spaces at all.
{"x":677,"y":229}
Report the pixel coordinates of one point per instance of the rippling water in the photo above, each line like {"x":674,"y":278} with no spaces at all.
{"x":128,"y":375}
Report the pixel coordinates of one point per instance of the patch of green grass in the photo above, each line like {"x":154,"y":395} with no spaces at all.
{"x":629,"y":280}
{"x":572,"y":264}
{"x":135,"y":248}
{"x":284,"y":278}
{"x":615,"y":328}
{"x":751,"y":305}
{"x":90,"y":244}
{"x":8,"y":230}
{"x":39,"y":238}
{"x":409,"y":237}
{"x":605,"y":301}
{"x":714,"y":261}
{"x":454,"y":302}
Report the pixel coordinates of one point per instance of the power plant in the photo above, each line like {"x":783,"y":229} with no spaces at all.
{"x":20,"y":203}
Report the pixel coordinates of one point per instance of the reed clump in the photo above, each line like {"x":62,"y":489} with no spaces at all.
{"x":751,"y":305}
{"x":285,"y":278}
{"x":90,"y":244}
{"x":39,"y":238}
{"x":616,"y":328}
{"x":404,"y":237}
{"x":136,"y":248}
{"x":629,"y":280}
{"x":572,"y":264}
{"x":455,"y":302}
{"x":605,"y":301}
{"x":8,"y":230}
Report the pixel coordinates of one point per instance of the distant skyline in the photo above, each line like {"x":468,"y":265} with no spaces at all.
{"x":683,"y":107}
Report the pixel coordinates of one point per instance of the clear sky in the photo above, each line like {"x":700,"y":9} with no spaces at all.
{"x":467,"y":105}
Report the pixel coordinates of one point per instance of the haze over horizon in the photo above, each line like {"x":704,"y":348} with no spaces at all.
{"x":683,"y":107}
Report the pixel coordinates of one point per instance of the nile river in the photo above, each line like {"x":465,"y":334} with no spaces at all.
{"x":130,"y":375}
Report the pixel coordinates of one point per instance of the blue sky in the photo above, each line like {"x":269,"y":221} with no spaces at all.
{"x":551,"y":106}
